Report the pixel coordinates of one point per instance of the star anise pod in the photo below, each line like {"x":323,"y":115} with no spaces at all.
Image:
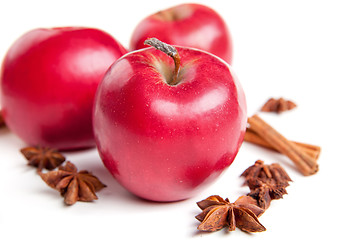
{"x":264,"y":192}
{"x":273,"y":173}
{"x":278,"y":105}
{"x":266,"y":182}
{"x":43,"y":157}
{"x":218,"y":213}
{"x":73,"y":185}
{"x":261,"y":195}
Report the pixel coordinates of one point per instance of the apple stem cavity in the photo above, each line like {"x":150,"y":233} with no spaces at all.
{"x":170,"y":51}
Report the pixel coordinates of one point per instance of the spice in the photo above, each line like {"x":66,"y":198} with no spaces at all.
{"x":306,"y":164}
{"x":73,"y":185}
{"x":261,"y":193}
{"x":273,"y":173}
{"x":266,"y":182}
{"x":278,"y":105}
{"x":43,"y":157}
{"x":2,"y":122}
{"x":253,"y":137}
{"x":219,"y":213}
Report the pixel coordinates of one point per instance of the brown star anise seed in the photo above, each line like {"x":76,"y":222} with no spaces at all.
{"x":43,"y":157}
{"x":73,"y":185}
{"x":218,"y":213}
{"x":278,"y":105}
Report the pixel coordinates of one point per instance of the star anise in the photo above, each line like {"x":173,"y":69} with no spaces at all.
{"x":266,"y":182}
{"x":267,"y":173}
{"x":218,"y":213}
{"x":262,"y":195}
{"x":278,"y":105}
{"x":43,"y":157}
{"x":264,"y":192}
{"x":73,"y":185}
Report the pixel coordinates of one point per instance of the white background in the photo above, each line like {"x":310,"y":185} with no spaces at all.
{"x":307,"y":51}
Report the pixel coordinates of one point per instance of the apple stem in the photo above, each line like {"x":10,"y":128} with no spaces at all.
{"x":170,"y":51}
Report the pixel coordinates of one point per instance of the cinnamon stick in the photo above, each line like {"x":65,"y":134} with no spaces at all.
{"x":306,"y":164}
{"x":252,"y":137}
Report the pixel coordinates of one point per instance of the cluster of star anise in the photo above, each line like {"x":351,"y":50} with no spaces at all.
{"x":72,"y":184}
{"x":266,"y":182}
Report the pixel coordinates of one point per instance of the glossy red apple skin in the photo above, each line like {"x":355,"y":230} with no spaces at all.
{"x":190,"y":25}
{"x":168,"y":142}
{"x":48,"y":82}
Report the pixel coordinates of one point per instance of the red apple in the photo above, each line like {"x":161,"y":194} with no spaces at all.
{"x":166,"y":134}
{"x":190,"y":25}
{"x":48,"y":82}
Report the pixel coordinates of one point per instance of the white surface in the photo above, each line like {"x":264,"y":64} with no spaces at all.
{"x":307,"y":51}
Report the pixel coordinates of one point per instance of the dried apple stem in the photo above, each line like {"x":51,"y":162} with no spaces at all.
{"x":170,"y":51}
